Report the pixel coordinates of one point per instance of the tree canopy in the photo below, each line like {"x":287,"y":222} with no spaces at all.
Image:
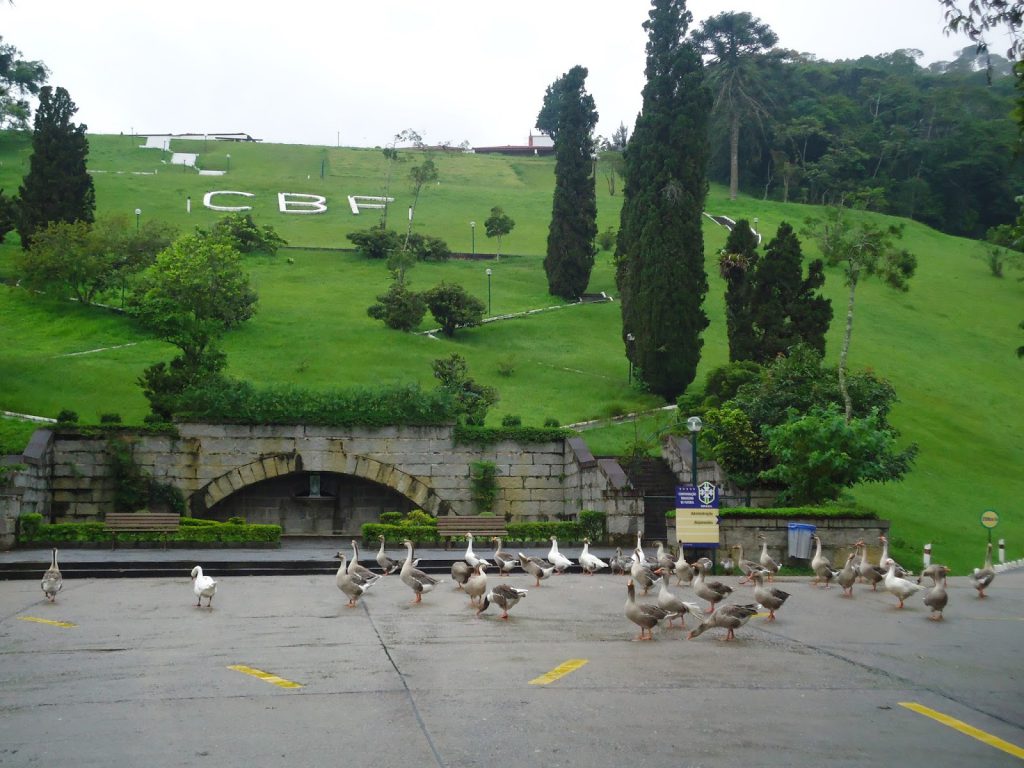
{"x":570,"y":247}
{"x":660,"y":251}
{"x":20,"y":79}
{"x":57,"y":186}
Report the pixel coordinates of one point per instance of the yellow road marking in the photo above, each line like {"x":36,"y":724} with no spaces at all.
{"x":970,"y":730}
{"x":558,"y":672}
{"x":264,"y":676}
{"x":37,"y":620}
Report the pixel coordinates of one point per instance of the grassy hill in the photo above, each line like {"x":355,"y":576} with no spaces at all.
{"x":947,"y":345}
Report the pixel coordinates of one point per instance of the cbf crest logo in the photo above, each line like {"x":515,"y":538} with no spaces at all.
{"x":707,"y":493}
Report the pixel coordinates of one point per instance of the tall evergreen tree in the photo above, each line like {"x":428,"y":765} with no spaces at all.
{"x":57,"y":186}
{"x":660,"y":253}
{"x":785,"y":307}
{"x":736,"y":264}
{"x":571,"y":250}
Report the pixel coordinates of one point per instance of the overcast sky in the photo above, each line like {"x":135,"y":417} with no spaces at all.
{"x":324,"y":71}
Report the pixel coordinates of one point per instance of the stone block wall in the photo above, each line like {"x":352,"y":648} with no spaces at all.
{"x":838,"y":535}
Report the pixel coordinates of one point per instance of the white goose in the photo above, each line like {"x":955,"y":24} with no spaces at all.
{"x":902,"y":588}
{"x":418,"y":581}
{"x":588,"y":562}
{"x":470,"y":556}
{"x":354,"y":586}
{"x":556,"y":558}
{"x":203,"y":586}
{"x":884,"y":558}
{"x":387,"y":565}
{"x":503,"y":596}
{"x":52,"y":582}
{"x":982,"y":577}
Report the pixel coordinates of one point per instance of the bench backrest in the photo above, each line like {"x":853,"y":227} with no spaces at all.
{"x":143,"y":521}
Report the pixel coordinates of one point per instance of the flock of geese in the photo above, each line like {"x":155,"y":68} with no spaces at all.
{"x":470,"y":575}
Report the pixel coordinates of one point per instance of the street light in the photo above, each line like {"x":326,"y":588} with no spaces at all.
{"x":472,"y":230}
{"x":229,"y":161}
{"x":138,"y":215}
{"x":630,"y":338}
{"x":694,"y":424}
{"x":489,"y":290}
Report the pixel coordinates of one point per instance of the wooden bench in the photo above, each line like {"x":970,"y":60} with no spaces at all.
{"x":449,"y":526}
{"x":141,"y":522}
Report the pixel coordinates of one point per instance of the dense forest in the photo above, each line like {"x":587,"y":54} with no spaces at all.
{"x":937,"y":144}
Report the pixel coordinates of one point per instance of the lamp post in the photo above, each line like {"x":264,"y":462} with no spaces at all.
{"x":694,"y":424}
{"x":489,"y":270}
{"x":472,"y":232}
{"x":630,"y":338}
{"x":229,"y":161}
{"x":138,"y":215}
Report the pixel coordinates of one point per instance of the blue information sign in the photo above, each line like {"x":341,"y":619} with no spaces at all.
{"x":703,"y":496}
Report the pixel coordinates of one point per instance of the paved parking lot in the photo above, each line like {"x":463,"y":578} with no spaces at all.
{"x":129,"y":672}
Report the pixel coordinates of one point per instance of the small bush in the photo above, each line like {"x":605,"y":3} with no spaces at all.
{"x":110,"y":418}
{"x":592,"y":524}
{"x":395,"y":534}
{"x":67,"y":417}
{"x":511,"y":420}
{"x":564,"y":531}
{"x":419,"y":517}
{"x":391,"y":518}
{"x":507,"y":367}
{"x":551,"y":423}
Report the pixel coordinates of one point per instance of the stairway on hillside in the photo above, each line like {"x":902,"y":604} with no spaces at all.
{"x":657,"y":483}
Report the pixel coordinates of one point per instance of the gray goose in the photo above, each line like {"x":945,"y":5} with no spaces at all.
{"x":747,"y":567}
{"x":619,"y":563}
{"x":767,"y":561}
{"x":644,"y":615}
{"x":460,"y":572}
{"x":712,"y":591}
{"x":418,"y":581}
{"x":822,"y":566}
{"x":935,"y":571}
{"x":937,"y":598}
{"x":666,"y":559}
{"x":536,"y":567}
{"x":352,"y":585}
{"x":355,"y":569}
{"x":476,"y":584}
{"x":730,"y":617}
{"x":676,"y":607}
{"x":847,"y":577}
{"x":769,"y":597}
{"x":504,"y":560}
{"x":871,"y":574}
{"x":52,"y":582}
{"x":984,"y":576}
{"x":640,"y":572}
{"x":503,"y":596}
{"x":387,"y":565}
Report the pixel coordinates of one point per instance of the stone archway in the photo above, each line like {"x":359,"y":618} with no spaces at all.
{"x":269,"y":467}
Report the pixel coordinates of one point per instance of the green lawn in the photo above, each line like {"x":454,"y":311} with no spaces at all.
{"x":947,"y":345}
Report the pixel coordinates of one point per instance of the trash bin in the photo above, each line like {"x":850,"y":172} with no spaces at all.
{"x":800,"y":540}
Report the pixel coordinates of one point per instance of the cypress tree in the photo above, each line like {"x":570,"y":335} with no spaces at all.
{"x":57,"y":186}
{"x":571,"y":250}
{"x":660,"y":252}
{"x":784,"y":306}
{"x":736,"y":264}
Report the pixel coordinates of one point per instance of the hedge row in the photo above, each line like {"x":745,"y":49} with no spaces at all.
{"x":427,"y":534}
{"x":812,"y":513}
{"x":32,"y":530}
